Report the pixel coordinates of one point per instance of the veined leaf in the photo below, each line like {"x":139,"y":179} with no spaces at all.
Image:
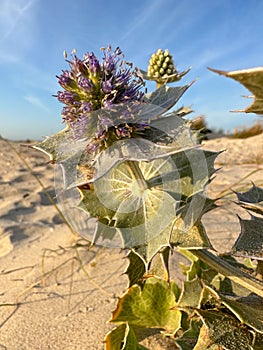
{"x":165,"y":96}
{"x":149,"y":307}
{"x":124,"y":201}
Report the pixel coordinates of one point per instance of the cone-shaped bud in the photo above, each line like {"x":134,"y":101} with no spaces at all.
{"x":162,"y":68}
{"x":159,"y":63}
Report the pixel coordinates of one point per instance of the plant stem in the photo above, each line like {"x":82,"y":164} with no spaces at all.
{"x":137,"y":174}
{"x":229,"y":271}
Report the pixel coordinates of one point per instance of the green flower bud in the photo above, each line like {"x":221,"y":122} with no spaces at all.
{"x":162,"y":69}
{"x":161,"y":63}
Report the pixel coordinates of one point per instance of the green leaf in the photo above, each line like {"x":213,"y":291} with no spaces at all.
{"x":123,"y":200}
{"x":122,"y":338}
{"x":192,"y":167}
{"x":250,"y":241}
{"x":189,"y":237}
{"x":224,"y":330}
{"x":159,"y":265}
{"x":253,"y":195}
{"x":189,"y":338}
{"x":171,"y":130}
{"x":154,"y":245}
{"x":136,"y":269}
{"x":54,"y":146}
{"x":166,"y":96}
{"x":134,"y":149}
{"x":64,"y":144}
{"x":132,"y":196}
{"x":252,"y":199}
{"x":115,"y":338}
{"x":150,"y":307}
{"x":248,"y":310}
{"x":204,"y":341}
{"x":191,"y":294}
{"x":252,"y":79}
{"x":201,"y":270}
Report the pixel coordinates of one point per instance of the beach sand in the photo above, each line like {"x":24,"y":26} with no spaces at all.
{"x":56,"y":292}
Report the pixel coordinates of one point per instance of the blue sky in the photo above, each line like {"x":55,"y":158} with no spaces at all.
{"x":221,"y":34}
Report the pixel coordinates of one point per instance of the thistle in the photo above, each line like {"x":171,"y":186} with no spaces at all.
{"x":131,"y":176}
{"x":91,"y":85}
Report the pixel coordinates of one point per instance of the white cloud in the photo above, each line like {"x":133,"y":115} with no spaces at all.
{"x":143,"y":17}
{"x":17,"y":23}
{"x":36,"y":101}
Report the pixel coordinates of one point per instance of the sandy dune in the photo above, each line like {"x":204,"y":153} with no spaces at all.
{"x":55,"y":292}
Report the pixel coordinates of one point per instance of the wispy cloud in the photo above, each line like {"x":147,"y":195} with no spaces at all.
{"x":142,"y":18}
{"x":37,"y":102}
{"x":17,"y":20}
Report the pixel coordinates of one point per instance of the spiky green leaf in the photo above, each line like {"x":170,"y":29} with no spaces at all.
{"x":252,"y":79}
{"x":252,"y":199}
{"x":150,"y":307}
{"x":166,"y":96}
{"x":224,"y":330}
{"x":250,"y":241}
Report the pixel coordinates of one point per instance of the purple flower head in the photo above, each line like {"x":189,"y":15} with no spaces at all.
{"x":93,"y":63}
{"x":107,"y":86}
{"x":66,"y":81}
{"x":78,"y":67}
{"x":90,"y":85}
{"x":67,"y":97}
{"x":85,"y":83}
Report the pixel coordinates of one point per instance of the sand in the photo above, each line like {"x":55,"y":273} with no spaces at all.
{"x":56,"y":292}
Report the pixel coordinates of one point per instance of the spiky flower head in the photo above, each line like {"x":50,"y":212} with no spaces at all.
{"x":162,"y":69}
{"x":91,"y":85}
{"x":161,"y":64}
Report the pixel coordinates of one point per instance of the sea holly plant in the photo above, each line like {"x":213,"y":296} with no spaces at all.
{"x":130,"y":173}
